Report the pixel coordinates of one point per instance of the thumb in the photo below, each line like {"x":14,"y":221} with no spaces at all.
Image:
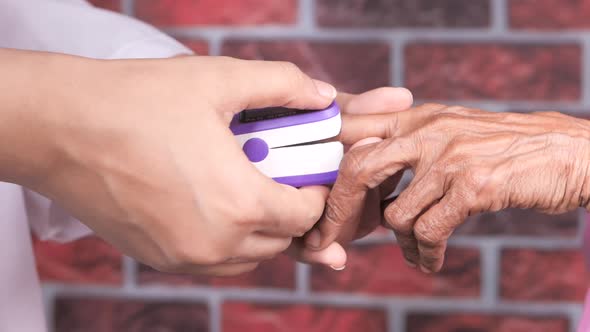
{"x":260,"y":84}
{"x":325,"y":233}
{"x":333,"y":256}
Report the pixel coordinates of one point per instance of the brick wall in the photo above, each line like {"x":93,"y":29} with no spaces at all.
{"x":510,"y":271}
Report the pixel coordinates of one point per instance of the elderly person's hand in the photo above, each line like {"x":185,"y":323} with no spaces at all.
{"x":465,"y":161}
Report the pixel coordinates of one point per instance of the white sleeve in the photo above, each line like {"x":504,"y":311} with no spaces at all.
{"x":75,"y":27}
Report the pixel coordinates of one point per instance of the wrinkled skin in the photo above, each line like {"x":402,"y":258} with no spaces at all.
{"x":465,"y":161}
{"x":355,"y":109}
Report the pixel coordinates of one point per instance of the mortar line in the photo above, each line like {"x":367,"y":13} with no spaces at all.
{"x":306,"y":15}
{"x":515,"y":242}
{"x":49,"y":304}
{"x":396,"y":319}
{"x":490,"y":267}
{"x":302,"y":275}
{"x":397,"y":63}
{"x":499,"y":13}
{"x":215,"y":45}
{"x":575,"y":317}
{"x":215,"y":314}
{"x":582,"y":224}
{"x":129,"y":271}
{"x":343,"y":300}
{"x":415,"y":35}
{"x":128,"y":7}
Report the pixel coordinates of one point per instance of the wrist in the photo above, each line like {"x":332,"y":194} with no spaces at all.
{"x":34,"y":90}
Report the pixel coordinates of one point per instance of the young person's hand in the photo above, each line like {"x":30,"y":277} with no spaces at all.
{"x":140,"y":151}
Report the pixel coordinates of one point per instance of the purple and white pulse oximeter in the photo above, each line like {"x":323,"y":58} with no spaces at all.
{"x":280,"y":143}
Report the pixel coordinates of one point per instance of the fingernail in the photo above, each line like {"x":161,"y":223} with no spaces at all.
{"x":338,"y":268}
{"x":408,"y":92}
{"x":325,"y":89}
{"x":425,"y":270}
{"x":312,"y":240}
{"x":410,"y":264}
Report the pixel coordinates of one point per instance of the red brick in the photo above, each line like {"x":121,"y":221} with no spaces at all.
{"x":549,"y":14}
{"x":89,"y":261}
{"x":277,"y":273}
{"x":238,"y":317}
{"x":543,"y":275}
{"x":484,"y":323}
{"x":351,"y":66}
{"x":380,"y":270}
{"x":114,"y":315}
{"x":114,"y":5}
{"x":522,"y":223}
{"x":403,"y":13}
{"x":494,"y":71}
{"x":200,"y":47}
{"x":216,"y":12}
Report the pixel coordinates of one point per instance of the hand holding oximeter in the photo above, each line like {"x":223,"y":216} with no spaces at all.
{"x":282,"y":143}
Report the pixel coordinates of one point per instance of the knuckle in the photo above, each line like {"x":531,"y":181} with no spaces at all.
{"x":437,"y":170}
{"x":356,"y":169}
{"x":392,"y":126}
{"x":335,"y":213}
{"x":430,"y":261}
{"x":428,"y":235}
{"x":441,"y":120}
{"x":248,"y":211}
{"x":411,"y":256}
{"x":398,"y":219}
{"x":186,"y":254}
{"x":291,"y":70}
{"x":475,"y":183}
{"x":411,"y":252}
{"x":353,"y":164}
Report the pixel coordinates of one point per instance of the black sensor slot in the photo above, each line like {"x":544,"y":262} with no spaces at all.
{"x":269,"y":114}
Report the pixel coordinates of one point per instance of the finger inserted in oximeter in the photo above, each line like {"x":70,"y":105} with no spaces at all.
{"x":280,"y":143}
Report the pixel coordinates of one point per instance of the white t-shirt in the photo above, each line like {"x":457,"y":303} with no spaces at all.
{"x":72,"y":27}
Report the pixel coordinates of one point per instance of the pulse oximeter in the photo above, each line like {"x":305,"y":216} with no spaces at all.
{"x":283,"y":143}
